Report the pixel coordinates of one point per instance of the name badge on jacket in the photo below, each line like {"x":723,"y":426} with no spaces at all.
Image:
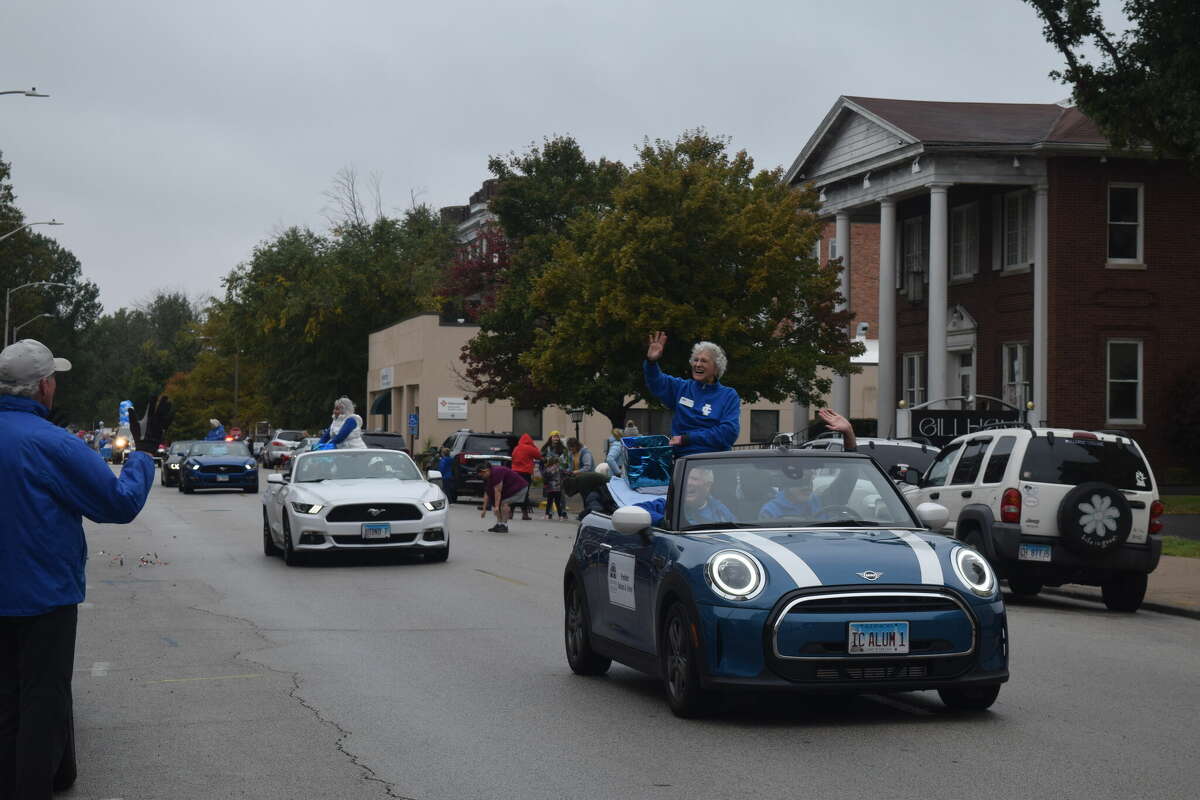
{"x":686,"y":401}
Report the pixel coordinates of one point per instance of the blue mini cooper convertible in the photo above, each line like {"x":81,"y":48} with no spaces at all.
{"x":783,"y":570}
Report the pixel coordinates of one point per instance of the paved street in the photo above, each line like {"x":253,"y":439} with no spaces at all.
{"x":223,"y":673}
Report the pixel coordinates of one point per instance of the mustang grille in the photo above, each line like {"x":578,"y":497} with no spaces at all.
{"x":361,"y":512}
{"x":395,"y":538}
{"x":222,"y":469}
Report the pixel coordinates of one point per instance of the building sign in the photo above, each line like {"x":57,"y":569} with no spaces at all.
{"x":414,"y":422}
{"x":940,"y":427}
{"x":452,"y":408}
{"x":385,"y":378}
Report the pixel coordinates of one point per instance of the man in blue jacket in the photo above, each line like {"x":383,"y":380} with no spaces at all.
{"x":49,"y":480}
{"x":707,"y":414}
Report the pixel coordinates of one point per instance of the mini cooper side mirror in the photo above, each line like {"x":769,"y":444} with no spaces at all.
{"x":433,"y":475}
{"x":275,"y":477}
{"x":933,"y":515}
{"x":631,"y":519}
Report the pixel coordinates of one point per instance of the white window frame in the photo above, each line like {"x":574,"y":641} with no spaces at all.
{"x":833,"y":250}
{"x":914,"y":258}
{"x":1109,"y":380}
{"x":1017,"y":389}
{"x":964,"y":241}
{"x":1016,"y":245}
{"x":1141,"y":228}
{"x":914,"y":394}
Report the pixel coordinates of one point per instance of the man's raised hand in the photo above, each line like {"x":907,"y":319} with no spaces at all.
{"x":658,"y":340}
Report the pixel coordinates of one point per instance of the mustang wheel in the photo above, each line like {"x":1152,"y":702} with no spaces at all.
{"x":290,"y":556}
{"x":970,"y":698}
{"x":681,"y":673}
{"x":440,"y":554}
{"x":184,"y":487}
{"x":1125,"y":592}
{"x":269,"y":548}
{"x":580,"y":655}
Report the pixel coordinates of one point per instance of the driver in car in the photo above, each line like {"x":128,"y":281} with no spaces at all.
{"x":798,"y":499}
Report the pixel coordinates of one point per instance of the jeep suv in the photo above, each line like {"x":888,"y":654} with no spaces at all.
{"x":470,"y":449}
{"x":1049,"y":506}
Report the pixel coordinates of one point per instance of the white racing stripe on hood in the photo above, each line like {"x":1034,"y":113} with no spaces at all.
{"x":793,"y":564}
{"x":927,"y":558}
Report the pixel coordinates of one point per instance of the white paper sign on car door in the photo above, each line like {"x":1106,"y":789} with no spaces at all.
{"x":620,"y":581}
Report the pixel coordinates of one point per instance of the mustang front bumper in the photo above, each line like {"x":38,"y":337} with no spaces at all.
{"x":314,"y":533}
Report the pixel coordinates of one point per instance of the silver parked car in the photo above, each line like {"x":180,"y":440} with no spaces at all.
{"x":282,"y":441}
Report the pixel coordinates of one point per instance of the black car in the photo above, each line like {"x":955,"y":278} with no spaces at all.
{"x":173,"y":461}
{"x":470,"y":449}
{"x":386,"y":440}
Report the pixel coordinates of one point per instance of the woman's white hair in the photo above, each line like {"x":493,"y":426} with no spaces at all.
{"x":718,"y":355}
{"x":19,"y":389}
{"x":347,"y":405}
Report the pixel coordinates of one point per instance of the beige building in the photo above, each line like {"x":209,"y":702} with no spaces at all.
{"x":414,"y":369}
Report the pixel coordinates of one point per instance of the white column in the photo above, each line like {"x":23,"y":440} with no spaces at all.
{"x":939,"y":268}
{"x":886,"y":413}
{"x":800,"y":420}
{"x":841,"y":383}
{"x":1041,"y":303}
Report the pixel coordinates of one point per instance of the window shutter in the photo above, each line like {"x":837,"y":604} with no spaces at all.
{"x":971,"y":238}
{"x":997,"y":232}
{"x":924,"y":249}
{"x":900,"y":257}
{"x":1027,"y":227}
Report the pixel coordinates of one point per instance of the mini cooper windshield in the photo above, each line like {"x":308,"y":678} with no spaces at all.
{"x":343,"y":465}
{"x":787,"y":491}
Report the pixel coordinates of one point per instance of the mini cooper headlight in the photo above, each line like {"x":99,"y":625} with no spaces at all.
{"x":973,"y":571}
{"x":434,"y":505}
{"x":735,"y":575}
{"x":307,"y":508}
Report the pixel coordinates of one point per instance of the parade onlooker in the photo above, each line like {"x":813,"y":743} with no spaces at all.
{"x":524,"y":456}
{"x":449,"y":483}
{"x":502,"y":488}
{"x":556,"y":462}
{"x":582,"y":459}
{"x":707,"y":413}
{"x":613,"y":457}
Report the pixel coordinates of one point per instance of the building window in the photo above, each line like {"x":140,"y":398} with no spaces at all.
{"x":915,"y":258}
{"x":1125,"y":223}
{"x":649,"y":422}
{"x":914,"y":378}
{"x":1018,"y":371}
{"x":833,"y":249}
{"x":1016,"y":234}
{"x":528,"y":420}
{"x":764,"y":425}
{"x":816,"y":254}
{"x":1125,"y":381}
{"x":964,"y":241}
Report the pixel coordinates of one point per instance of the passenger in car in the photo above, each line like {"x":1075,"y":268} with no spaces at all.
{"x":798,"y":498}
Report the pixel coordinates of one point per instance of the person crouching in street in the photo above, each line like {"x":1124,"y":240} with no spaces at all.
{"x":503,"y":489}
{"x":49,"y":481}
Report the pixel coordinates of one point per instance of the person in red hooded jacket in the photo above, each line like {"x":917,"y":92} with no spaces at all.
{"x":524,"y":456}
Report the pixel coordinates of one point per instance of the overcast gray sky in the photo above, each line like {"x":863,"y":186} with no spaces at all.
{"x":179,"y":135}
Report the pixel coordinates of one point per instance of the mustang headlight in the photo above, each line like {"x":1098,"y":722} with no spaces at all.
{"x":735,"y":575}
{"x":307,"y":508}
{"x":195,"y":466}
{"x":120,"y":442}
{"x":973,"y":571}
{"x":434,"y":505}
{"x":250,"y":465}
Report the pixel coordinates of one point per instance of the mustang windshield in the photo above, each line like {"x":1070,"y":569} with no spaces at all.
{"x":790,"y":491}
{"x":219,"y":450}
{"x":343,"y":465}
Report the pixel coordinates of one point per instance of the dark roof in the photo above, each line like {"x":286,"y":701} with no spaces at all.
{"x":984,"y":123}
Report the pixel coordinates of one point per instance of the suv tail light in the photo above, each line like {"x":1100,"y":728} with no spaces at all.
{"x":1084,"y":435}
{"x":1010,"y":506}
{"x":1156,"y":511}
{"x":462,"y":458}
{"x":278,"y":443}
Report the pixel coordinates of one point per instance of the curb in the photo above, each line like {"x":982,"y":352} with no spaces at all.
{"x":1161,"y":608}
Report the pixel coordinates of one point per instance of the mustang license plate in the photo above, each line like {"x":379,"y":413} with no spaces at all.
{"x":869,"y":638}
{"x":1033,"y":552}
{"x":376,"y":530}
{"x":222,"y":478}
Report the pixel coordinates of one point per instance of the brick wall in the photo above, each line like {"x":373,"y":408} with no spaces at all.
{"x":864,"y":275}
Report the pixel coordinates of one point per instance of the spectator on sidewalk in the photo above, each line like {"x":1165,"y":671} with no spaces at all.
{"x":446,"y":467}
{"x":582,"y":459}
{"x":524,"y":456}
{"x":49,"y":481}
{"x":556,"y":461}
{"x":503,"y":489}
{"x":613,"y":457}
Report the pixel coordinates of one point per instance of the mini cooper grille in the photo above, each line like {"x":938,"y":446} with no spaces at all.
{"x":387,"y":512}
{"x":874,"y":672}
{"x":874,"y":604}
{"x":395,"y":538}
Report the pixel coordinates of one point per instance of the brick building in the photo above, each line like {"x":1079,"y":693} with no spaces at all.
{"x":1017,"y":256}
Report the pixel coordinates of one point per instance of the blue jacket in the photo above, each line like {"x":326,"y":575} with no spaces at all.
{"x":49,"y":481}
{"x":783,"y":506}
{"x":216,"y":434}
{"x":446,"y":467}
{"x":707,"y":415}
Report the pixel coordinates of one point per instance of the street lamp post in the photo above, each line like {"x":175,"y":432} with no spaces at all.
{"x":8,"y":299}
{"x":576,"y":417}
{"x":33,"y":92}
{"x":17,"y":329}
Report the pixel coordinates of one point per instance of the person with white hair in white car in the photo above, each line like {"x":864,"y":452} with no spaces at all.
{"x":345,"y":430}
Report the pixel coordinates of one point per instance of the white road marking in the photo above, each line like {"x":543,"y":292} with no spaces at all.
{"x":100,"y":669}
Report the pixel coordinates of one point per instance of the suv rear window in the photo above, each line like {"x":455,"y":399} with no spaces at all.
{"x":291,"y":436}
{"x":1075,"y":461}
{"x":486,"y":444}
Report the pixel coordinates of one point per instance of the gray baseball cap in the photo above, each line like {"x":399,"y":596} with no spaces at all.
{"x":29,"y":360}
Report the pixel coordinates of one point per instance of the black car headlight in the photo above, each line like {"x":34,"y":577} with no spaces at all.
{"x":735,"y":575}
{"x":250,"y":465}
{"x":173,"y":466}
{"x":974,"y":571}
{"x":434,"y":505}
{"x":307,"y":508}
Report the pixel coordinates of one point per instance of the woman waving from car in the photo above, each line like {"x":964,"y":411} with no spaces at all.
{"x":707,"y":413}
{"x":345,"y":431}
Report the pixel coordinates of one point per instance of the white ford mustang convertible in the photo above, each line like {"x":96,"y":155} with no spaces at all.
{"x":330,"y":500}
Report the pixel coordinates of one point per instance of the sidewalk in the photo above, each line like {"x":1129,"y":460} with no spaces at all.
{"x":1174,"y":588}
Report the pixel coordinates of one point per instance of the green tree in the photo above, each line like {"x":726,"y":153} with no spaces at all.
{"x":1145,"y":87}
{"x":699,"y":245}
{"x":540,"y":192}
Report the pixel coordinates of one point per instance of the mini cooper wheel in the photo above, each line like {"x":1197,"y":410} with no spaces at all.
{"x":970,"y":698}
{"x":680,"y":667}
{"x":580,"y":655}
{"x":269,"y":548}
{"x":290,"y":556}
{"x":1125,"y":591}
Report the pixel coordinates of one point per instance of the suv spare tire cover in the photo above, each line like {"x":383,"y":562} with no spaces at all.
{"x":1094,"y":518}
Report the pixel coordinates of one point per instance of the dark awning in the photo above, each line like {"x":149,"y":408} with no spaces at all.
{"x":382,"y":404}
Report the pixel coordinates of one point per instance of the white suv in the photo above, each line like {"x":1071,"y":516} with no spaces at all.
{"x":1049,"y":506}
